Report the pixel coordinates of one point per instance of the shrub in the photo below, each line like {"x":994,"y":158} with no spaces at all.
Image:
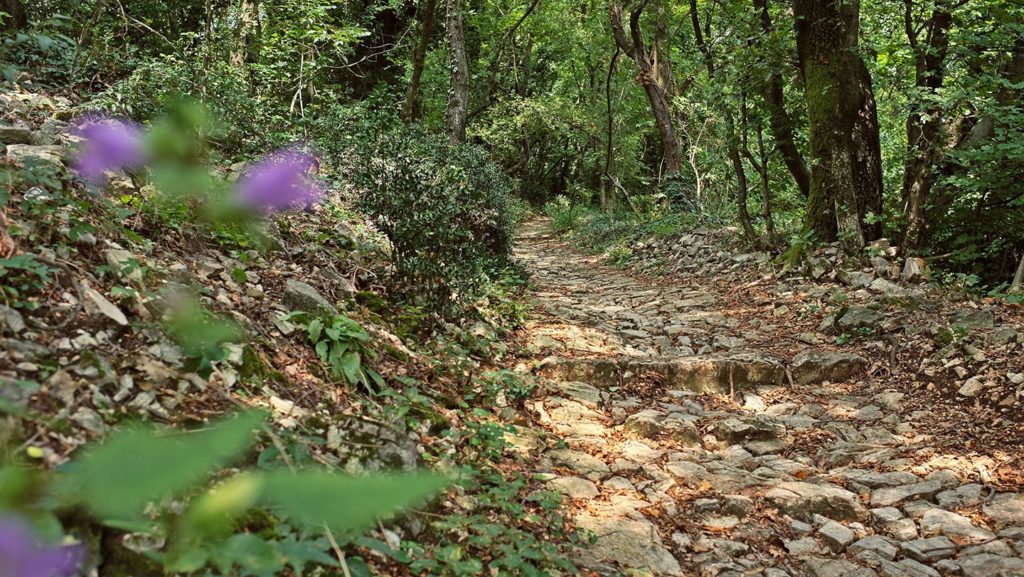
{"x":448,"y":212}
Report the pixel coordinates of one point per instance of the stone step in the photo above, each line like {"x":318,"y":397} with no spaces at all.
{"x":699,"y":374}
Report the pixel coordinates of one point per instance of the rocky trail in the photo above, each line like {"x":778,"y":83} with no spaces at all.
{"x":691,"y":440}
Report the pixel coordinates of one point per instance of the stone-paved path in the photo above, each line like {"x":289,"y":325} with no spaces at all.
{"x":686,"y":455}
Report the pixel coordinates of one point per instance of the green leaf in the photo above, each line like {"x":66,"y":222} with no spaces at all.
{"x":118,"y":478}
{"x":350,"y":366}
{"x":249,"y":552}
{"x":346,"y":503}
{"x":299,"y":553}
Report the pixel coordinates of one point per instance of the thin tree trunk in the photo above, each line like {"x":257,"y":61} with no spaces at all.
{"x":779,"y":120}
{"x":846,"y":178}
{"x":1017,"y":286}
{"x":732,"y":143}
{"x":609,"y":158}
{"x":427,"y":16}
{"x":925,"y":140}
{"x":458,"y":92}
{"x":634,"y":47}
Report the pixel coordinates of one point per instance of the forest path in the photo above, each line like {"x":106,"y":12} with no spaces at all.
{"x":687,"y":461}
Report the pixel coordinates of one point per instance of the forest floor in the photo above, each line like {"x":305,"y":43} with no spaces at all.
{"x":708,"y":427}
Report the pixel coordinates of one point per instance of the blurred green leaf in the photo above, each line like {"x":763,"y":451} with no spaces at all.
{"x":118,"y":478}
{"x":346,"y":503}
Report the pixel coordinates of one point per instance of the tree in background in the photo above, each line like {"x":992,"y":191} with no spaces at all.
{"x":846,"y":156}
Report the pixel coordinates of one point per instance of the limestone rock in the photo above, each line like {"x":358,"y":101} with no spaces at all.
{"x":26,"y":153}
{"x":802,"y":500}
{"x":858,"y":317}
{"x":816,"y":366}
{"x":629,"y":542}
{"x":1005,"y":510}
{"x":914,"y":270}
{"x":15,"y":134}
{"x":889,"y":496}
{"x":300,"y":296}
{"x":817,"y":567}
{"x":575,"y":487}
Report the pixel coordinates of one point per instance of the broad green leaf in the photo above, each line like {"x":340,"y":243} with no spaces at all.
{"x":346,"y":503}
{"x":118,"y":478}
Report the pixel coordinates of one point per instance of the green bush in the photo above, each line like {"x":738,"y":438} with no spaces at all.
{"x":448,"y":212}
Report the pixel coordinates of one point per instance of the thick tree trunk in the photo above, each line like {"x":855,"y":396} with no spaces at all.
{"x":846,"y":178}
{"x":426,"y":14}
{"x":634,"y":47}
{"x":458,"y":92}
{"x":246,"y":47}
{"x":779,"y":120}
{"x":17,"y":18}
{"x":925,"y":138}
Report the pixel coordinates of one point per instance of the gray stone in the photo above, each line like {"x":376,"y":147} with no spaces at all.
{"x":581,"y":392}
{"x":988,"y":565}
{"x":929,"y":550}
{"x":26,"y":154}
{"x":976,"y":319}
{"x":583,"y":463}
{"x":906,"y":568}
{"x":801,"y":500}
{"x":836,"y":535}
{"x":875,"y":544}
{"x":855,"y":278}
{"x":857,"y":317}
{"x":836,"y":568}
{"x":941,"y":522}
{"x":630,"y":542}
{"x":875,"y":479}
{"x":756,"y":428}
{"x":1005,"y":509}
{"x":803,"y":547}
{"x":575,"y":487}
{"x":888,"y":496}
{"x":914,"y":270}
{"x":15,"y":134}
{"x":300,"y":296}
{"x":816,"y":366}
{"x":11,"y":320}
{"x":737,"y":505}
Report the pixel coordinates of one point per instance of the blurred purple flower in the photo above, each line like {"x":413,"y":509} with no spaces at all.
{"x":21,"y":555}
{"x":281,"y":180}
{"x":109,"y":144}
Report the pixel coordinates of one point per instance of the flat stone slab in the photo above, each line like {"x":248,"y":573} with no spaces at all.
{"x":629,"y":542}
{"x":701,"y":374}
{"x":802,"y":500}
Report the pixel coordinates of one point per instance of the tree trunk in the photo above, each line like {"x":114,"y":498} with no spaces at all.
{"x":17,"y":18}
{"x":925,"y":138}
{"x":458,"y":92}
{"x":634,"y":47}
{"x":1017,"y":286}
{"x":732,"y":143}
{"x":410,"y":110}
{"x":779,"y":120}
{"x":846,"y":178}
{"x":245,"y":49}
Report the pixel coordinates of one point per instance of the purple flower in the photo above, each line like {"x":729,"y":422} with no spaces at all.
{"x":281,"y":180}
{"x":109,"y":144}
{"x":21,"y":555}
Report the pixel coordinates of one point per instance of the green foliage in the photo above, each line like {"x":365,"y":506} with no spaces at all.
{"x":448,"y":212}
{"x":139,"y":472}
{"x":44,"y":48}
{"x":342,"y":345}
{"x":201,"y":335}
{"x":22,"y":277}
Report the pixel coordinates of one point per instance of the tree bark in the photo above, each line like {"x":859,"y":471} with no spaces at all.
{"x":1017,"y":286}
{"x":779,"y":120}
{"x":458,"y":92}
{"x":426,"y":14}
{"x":17,"y":18}
{"x":846,"y":178}
{"x":633,"y":46}
{"x":925,"y":134}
